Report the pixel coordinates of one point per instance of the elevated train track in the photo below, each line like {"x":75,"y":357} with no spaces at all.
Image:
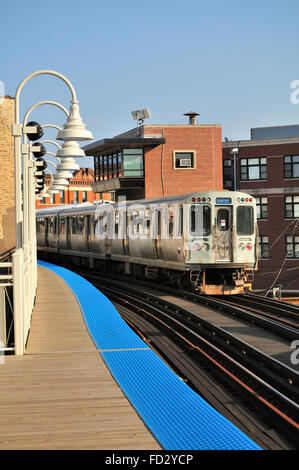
{"x":242,"y":382}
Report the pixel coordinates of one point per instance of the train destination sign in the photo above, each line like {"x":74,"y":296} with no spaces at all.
{"x":223,"y":200}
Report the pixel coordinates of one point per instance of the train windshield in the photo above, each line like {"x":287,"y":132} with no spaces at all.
{"x":200,"y":220}
{"x":244,"y":220}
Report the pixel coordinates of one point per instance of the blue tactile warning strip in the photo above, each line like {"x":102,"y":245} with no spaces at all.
{"x":177,"y":416}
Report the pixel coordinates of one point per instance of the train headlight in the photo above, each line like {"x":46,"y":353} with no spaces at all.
{"x":205,"y":247}
{"x":199,"y":247}
{"x":249,"y":246}
{"x":196,"y":247}
{"x":242,"y":246}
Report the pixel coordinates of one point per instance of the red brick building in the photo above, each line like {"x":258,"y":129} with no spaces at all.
{"x":79,"y":190}
{"x":159,"y":160}
{"x":268,"y":169}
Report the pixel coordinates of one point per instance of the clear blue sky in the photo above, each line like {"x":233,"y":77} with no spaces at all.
{"x":231,"y":61}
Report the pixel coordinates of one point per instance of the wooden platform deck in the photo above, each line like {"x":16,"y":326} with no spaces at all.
{"x":60,"y":394}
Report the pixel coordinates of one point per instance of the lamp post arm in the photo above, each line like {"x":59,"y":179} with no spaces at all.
{"x":41,"y":103}
{"x":34,"y":74}
{"x":50,"y":142}
{"x":52,"y":125}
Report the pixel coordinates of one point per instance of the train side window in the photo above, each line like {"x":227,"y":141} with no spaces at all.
{"x":51,"y":225}
{"x":170,"y":224}
{"x":181,"y":223}
{"x":62,"y":225}
{"x":245,"y":220}
{"x":40,"y":227}
{"x":147,"y":228}
{"x":201,"y":220}
{"x":79,"y":225}
{"x":223,"y":220}
{"x":116,"y":224}
{"x":73,"y":224}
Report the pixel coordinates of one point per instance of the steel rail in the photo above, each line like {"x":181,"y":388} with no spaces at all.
{"x":284,"y":409}
{"x":276,"y":395}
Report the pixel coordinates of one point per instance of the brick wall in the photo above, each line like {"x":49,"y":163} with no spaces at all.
{"x":161,"y":178}
{"x":81,"y":181}
{"x":277,"y":268}
{"x":7,"y":195}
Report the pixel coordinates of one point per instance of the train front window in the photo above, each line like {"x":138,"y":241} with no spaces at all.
{"x":244,"y":220}
{"x":223,"y":220}
{"x":200,"y":220}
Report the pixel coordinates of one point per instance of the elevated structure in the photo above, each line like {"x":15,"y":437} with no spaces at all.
{"x":159,"y":160}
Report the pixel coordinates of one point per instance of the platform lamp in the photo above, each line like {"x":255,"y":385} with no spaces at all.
{"x":74,"y":130}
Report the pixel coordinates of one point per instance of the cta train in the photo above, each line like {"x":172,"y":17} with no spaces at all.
{"x":205,"y":240}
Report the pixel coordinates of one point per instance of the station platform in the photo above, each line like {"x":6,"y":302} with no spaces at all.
{"x":87,"y":381}
{"x":60,"y":394}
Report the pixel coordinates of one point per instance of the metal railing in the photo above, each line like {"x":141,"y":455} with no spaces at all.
{"x":6,"y":282}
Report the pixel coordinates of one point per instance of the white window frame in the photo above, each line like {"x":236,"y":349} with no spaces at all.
{"x":185,"y":167}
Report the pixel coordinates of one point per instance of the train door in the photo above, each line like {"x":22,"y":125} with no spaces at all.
{"x":223,"y":233}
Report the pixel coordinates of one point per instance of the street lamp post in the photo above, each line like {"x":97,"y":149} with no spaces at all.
{"x":74,"y":130}
{"x":235,"y":151}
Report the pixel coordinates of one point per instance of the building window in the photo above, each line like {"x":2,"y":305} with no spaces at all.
{"x":127,"y":162}
{"x":291,"y":166}
{"x":52,"y":199}
{"x":62,"y":197}
{"x":292,"y":246}
{"x":112,"y":196}
{"x":227,"y":174}
{"x":76,"y":197}
{"x":132,"y":162}
{"x":291,"y":207}
{"x":261,"y":207}
{"x":84,"y":196}
{"x":184,"y":160}
{"x":263,"y":247}
{"x":253,"y":169}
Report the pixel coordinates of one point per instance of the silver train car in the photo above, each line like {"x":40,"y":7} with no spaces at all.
{"x":205,"y":240}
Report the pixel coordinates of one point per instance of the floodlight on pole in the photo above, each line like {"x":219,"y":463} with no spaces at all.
{"x":235,"y":151}
{"x":139,"y":115}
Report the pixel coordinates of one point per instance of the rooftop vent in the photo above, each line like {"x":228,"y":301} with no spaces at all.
{"x":192,"y":117}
